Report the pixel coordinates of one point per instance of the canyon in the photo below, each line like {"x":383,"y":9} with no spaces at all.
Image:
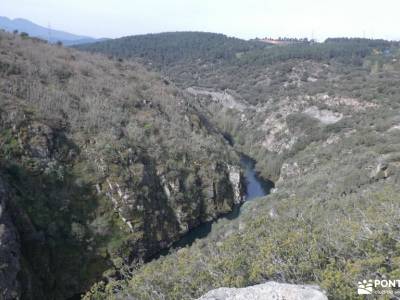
{"x":172,"y":165}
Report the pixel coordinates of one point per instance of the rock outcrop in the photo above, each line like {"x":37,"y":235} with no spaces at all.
{"x":224,"y":98}
{"x":176,"y":201}
{"x":9,"y":250}
{"x":267,"y":291}
{"x":235,"y":177}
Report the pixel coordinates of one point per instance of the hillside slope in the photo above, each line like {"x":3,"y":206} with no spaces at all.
{"x":175,"y":48}
{"x":250,"y":92}
{"x":252,"y":69}
{"x":104,"y":164}
{"x":323,"y":121}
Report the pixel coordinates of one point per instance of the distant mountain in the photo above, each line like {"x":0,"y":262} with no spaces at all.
{"x":50,"y":35}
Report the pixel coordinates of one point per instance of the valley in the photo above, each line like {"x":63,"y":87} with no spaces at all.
{"x":164,"y":166}
{"x":318,"y":120}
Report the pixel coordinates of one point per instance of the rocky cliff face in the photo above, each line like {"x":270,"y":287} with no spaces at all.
{"x":9,"y":249}
{"x":166,"y":203}
{"x":267,"y":291}
{"x":154,"y":203}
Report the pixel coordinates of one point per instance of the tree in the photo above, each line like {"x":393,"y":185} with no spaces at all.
{"x":24,"y":35}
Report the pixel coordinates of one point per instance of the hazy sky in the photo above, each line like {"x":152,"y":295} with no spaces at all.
{"x":244,"y":19}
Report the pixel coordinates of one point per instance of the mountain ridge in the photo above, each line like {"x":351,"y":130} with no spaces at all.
{"x":50,"y":35}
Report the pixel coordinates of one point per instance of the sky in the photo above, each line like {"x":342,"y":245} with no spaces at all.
{"x":244,"y":19}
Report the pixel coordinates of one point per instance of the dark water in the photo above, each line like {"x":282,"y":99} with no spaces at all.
{"x":255,"y":187}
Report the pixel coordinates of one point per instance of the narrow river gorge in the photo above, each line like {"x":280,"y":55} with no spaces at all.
{"x":256,"y":187}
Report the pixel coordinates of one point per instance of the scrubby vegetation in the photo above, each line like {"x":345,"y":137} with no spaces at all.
{"x":300,"y":244}
{"x":322,"y":120}
{"x":331,"y":221}
{"x":113,"y":161}
{"x":108,"y":164}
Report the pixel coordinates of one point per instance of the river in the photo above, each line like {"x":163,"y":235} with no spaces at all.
{"x":255,"y":187}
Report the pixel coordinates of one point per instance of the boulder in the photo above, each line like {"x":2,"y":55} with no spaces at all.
{"x":267,"y":291}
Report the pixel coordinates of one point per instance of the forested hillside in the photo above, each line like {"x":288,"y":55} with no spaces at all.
{"x":171,"y":48}
{"x":251,"y":68}
{"x":322,"y":121}
{"x":102,"y":164}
